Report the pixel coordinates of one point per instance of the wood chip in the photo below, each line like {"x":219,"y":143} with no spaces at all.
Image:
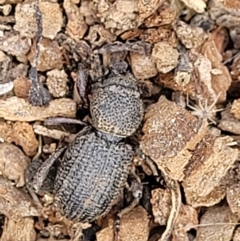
{"x":165,"y":57}
{"x":190,"y":36}
{"x":21,"y":231}
{"x":169,"y":133}
{"x":221,"y":79}
{"x":21,"y":87}
{"x":146,"y":9}
{"x":57,"y":83}
{"x":26,"y":22}
{"x":50,"y":56}
{"x":13,"y":163}
{"x":142,"y":66}
{"x":16,"y":109}
{"x":186,"y":220}
{"x":76,"y":27}
{"x":161,"y":205}
{"x":214,"y":197}
{"x":235,"y":110}
{"x":233,"y":192}
{"x":134,"y":227}
{"x":14,"y":203}
{"x":202,"y":176}
{"x":20,"y":133}
{"x":217,"y":215}
{"x":52,"y":18}
{"x":229,"y":122}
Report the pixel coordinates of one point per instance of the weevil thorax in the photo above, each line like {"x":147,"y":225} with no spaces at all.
{"x":116,"y":105}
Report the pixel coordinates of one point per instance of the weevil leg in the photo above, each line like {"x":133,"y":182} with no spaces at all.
{"x":151,"y":164}
{"x":82,"y":84}
{"x":38,"y":95}
{"x":63,"y":120}
{"x":137,"y":190}
{"x":44,"y":169}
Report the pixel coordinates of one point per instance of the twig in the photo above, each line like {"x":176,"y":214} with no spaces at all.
{"x":38,"y":95}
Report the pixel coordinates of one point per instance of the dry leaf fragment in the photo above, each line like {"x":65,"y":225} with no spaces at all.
{"x":76,"y":27}
{"x":22,"y":230}
{"x":23,"y":136}
{"x":229,"y":122}
{"x":197,"y":5}
{"x":211,"y":160}
{"x":21,"y":87}
{"x":160,"y":34}
{"x":14,"y":203}
{"x":165,"y":57}
{"x":50,"y":56}
{"x":217,"y":214}
{"x":233,"y":192}
{"x":26,"y":21}
{"x":190,"y":36}
{"x":214,"y":197}
{"x":117,"y":17}
{"x":235,"y":109}
{"x":168,"y":81}
{"x":225,"y":13}
{"x":13,"y":163}
{"x":15,"y":45}
{"x":186,"y":220}
{"x":204,"y":83}
{"x":17,"y":109}
{"x":17,"y":71}
{"x":134,"y":227}
{"x":220,"y":81}
{"x":169,"y":133}
{"x":142,"y":66}
{"x":161,"y":205}
{"x":57,"y":83}
{"x":147,"y":8}
{"x":52,"y":18}
{"x":164,"y":16}
{"x":98,"y":36}
{"x":21,"y":133}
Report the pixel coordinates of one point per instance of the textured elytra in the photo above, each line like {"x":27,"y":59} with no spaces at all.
{"x":116,"y":106}
{"x":91,"y":175}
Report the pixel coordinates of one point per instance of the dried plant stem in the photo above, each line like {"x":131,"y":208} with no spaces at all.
{"x":174,"y":187}
{"x":38,"y":95}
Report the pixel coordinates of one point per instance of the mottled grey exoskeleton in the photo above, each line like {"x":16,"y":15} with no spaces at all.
{"x":96,"y":165}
